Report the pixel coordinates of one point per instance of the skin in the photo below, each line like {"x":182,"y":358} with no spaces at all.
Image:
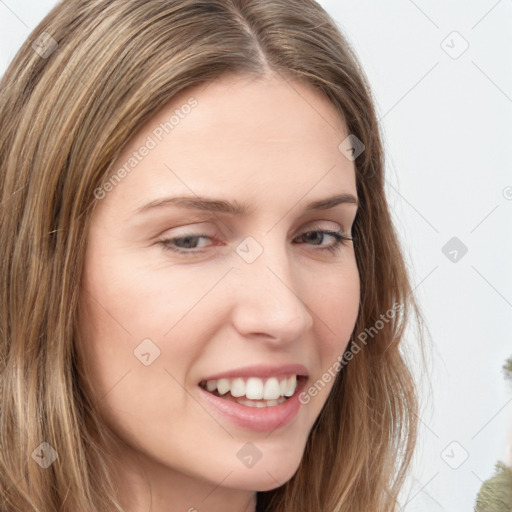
{"x":272,"y":144}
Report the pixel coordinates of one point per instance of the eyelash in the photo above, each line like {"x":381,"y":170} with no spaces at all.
{"x":340,"y":240}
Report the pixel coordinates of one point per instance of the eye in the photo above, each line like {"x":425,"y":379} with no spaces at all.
{"x":340,"y":239}
{"x":187,"y":243}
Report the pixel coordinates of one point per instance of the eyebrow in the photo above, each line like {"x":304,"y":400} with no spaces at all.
{"x":235,"y":207}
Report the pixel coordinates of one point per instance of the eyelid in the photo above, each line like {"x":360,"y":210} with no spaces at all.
{"x":308,"y":226}
{"x":338,"y":232}
{"x":341,"y":239}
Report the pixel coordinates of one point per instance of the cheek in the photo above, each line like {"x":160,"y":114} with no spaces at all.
{"x":132,"y":368}
{"x":126,"y":302}
{"x":128,"y":311}
{"x":336,"y":305}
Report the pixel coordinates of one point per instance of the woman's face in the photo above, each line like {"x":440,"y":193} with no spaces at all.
{"x":182,"y":295}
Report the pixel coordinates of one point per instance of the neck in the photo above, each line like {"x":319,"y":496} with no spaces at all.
{"x":251,"y":506}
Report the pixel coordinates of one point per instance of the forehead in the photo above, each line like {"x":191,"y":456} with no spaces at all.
{"x":262,"y":136}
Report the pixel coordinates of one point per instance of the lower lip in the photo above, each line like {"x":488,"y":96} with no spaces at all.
{"x":258,"y":419}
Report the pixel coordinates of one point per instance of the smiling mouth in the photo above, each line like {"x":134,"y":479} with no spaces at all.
{"x":254,"y":391}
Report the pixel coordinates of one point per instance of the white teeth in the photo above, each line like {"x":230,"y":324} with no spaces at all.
{"x":255,"y":388}
{"x":238,"y":387}
{"x":268,"y":403}
{"x":291,"y":384}
{"x":223,"y":386}
{"x":282,"y":387}
{"x":271,"y":391}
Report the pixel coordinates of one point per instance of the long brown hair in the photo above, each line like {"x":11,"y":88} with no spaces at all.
{"x":89,"y":75}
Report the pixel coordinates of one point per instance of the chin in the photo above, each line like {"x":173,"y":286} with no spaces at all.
{"x":265,"y":476}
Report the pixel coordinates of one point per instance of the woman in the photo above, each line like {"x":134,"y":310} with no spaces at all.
{"x":144,"y":370}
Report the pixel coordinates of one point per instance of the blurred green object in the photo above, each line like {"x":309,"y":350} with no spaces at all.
{"x":507,"y":369}
{"x":496,"y":493}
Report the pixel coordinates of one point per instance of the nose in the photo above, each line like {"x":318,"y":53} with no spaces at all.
{"x":267,"y":297}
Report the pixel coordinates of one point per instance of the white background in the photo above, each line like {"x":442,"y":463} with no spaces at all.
{"x":446,"y":122}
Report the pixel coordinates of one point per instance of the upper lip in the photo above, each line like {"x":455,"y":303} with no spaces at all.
{"x":261,"y":371}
